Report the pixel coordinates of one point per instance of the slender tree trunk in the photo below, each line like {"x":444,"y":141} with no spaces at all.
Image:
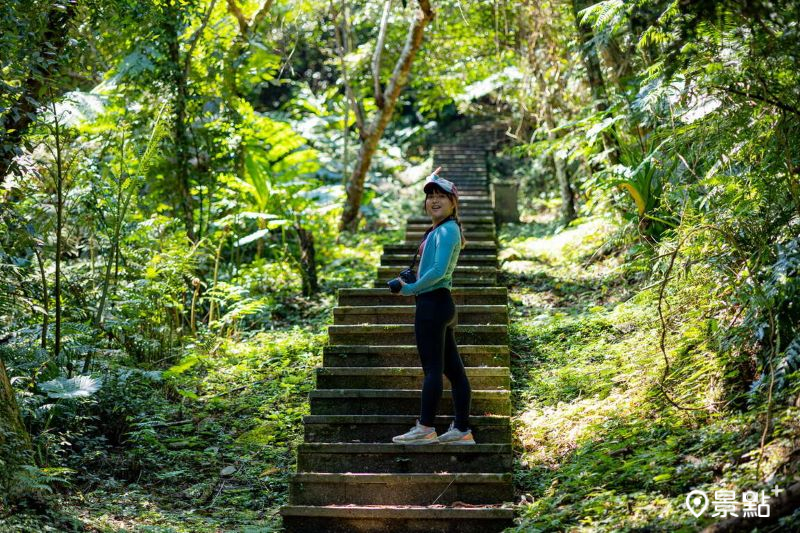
{"x":568,"y":212}
{"x":548,"y":104}
{"x":308,"y":261}
{"x":594,"y":73}
{"x":59,"y":177}
{"x":45,"y":297}
{"x":15,"y":121}
{"x":178,"y":77}
{"x":369,"y":143}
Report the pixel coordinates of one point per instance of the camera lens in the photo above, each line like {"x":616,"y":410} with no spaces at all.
{"x":394,"y":285}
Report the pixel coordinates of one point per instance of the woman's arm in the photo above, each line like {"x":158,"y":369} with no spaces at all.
{"x":446,"y":242}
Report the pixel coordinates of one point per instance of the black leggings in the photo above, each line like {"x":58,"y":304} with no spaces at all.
{"x":436,"y":343}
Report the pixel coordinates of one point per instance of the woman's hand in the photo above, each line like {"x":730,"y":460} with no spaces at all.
{"x":402,"y":284}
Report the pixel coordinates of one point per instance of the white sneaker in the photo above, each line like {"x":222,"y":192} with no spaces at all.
{"x":419,"y":434}
{"x":454,"y":436}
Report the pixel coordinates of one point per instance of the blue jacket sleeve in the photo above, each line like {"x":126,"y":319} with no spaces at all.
{"x":446,"y":241}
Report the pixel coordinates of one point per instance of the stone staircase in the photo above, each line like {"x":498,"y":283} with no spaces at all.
{"x":350,"y":476}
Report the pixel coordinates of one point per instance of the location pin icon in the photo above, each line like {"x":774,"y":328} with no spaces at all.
{"x":697,"y":502}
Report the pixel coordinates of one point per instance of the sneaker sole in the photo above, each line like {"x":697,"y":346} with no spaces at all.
{"x":456,"y":443}
{"x":416,"y":442}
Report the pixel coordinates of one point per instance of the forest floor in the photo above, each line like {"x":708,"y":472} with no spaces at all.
{"x":598,"y":449}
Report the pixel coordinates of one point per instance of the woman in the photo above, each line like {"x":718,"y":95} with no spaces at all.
{"x":435,"y":318}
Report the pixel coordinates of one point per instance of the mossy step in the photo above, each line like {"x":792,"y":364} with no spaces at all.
{"x":404,"y":377}
{"x":387,"y":458}
{"x":399,"y":261}
{"x":381,"y":428}
{"x":474,"y":197}
{"x":399,"y":489}
{"x":461,"y":296}
{"x":473,"y":246}
{"x":469,"y":227}
{"x":400,"y":402}
{"x":404,"y":334}
{"x":465,"y":219}
{"x":458,"y":281}
{"x":395,"y":519}
{"x":479,"y":235}
{"x":404,"y":314}
{"x":478,"y":271}
{"x":366,"y":355}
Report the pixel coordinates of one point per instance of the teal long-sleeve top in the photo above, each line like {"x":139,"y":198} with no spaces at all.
{"x":439,"y":258}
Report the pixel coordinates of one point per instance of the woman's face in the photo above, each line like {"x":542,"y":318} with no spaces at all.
{"x":438,"y":205}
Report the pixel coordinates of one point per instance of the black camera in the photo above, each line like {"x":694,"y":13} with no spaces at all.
{"x":406,"y":275}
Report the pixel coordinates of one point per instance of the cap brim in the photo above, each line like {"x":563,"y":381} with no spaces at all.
{"x":431,"y":185}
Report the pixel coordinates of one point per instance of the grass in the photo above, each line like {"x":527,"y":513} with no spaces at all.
{"x":598,"y":447}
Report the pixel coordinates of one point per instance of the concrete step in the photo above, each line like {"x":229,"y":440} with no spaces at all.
{"x":461,"y":296}
{"x":406,"y":355}
{"x":472,"y":199}
{"x":457,"y":155}
{"x":399,"y":489}
{"x":404,"y":314}
{"x":386,"y":272}
{"x":401,"y":261}
{"x":475,"y":199}
{"x":464,"y":276}
{"x":404,"y":334}
{"x":465,"y":219}
{"x":386,"y":458}
{"x":400,"y":402}
{"x":476,"y":208}
{"x":467,"y":178}
{"x":408,"y":377}
{"x":470,"y":227}
{"x":473,"y":248}
{"x":459,"y":281}
{"x":395,"y":519}
{"x":412,"y":235}
{"x":381,"y":428}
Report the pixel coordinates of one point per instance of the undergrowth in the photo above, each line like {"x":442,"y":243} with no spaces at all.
{"x":599,"y":445}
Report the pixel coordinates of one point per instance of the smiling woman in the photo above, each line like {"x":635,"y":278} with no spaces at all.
{"x":436,"y":317}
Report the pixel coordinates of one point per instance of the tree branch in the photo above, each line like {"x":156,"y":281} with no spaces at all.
{"x":376,"y":56}
{"x":341,"y":48}
{"x":764,"y":99}
{"x":236,"y":11}
{"x":195,"y":38}
{"x":259,"y":16}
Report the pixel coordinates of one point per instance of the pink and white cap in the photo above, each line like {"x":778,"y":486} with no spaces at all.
{"x":446,"y":185}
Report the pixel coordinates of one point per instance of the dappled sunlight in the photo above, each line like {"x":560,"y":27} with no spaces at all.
{"x":557,"y":248}
{"x":548,"y":434}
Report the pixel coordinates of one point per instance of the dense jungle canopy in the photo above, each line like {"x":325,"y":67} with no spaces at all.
{"x":185,"y":184}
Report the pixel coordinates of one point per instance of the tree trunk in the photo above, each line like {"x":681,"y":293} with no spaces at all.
{"x":179,"y":82}
{"x":568,"y":212}
{"x":355,"y":186}
{"x":59,"y":177}
{"x":15,"y":444}
{"x":591,"y":62}
{"x":45,"y":297}
{"x":15,"y":121}
{"x":308,"y":261}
